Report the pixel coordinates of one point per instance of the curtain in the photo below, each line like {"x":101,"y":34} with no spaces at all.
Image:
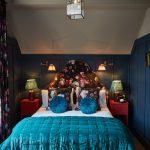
{"x":4,"y":90}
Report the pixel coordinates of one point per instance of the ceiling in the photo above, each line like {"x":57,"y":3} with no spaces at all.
{"x":42,"y":27}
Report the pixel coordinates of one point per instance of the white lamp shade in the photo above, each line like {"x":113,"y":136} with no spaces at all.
{"x":51,"y":68}
{"x":101,"y":67}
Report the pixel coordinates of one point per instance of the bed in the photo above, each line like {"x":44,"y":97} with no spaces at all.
{"x":72,"y":129}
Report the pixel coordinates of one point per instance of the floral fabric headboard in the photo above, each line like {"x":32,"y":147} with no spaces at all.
{"x":75,"y":73}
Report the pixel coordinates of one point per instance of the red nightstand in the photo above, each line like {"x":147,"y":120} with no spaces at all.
{"x":119,"y":109}
{"x":29,"y":107}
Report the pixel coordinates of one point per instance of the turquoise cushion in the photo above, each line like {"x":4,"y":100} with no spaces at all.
{"x":58,"y":104}
{"x":88,"y":105}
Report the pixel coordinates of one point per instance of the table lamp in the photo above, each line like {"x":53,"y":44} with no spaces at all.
{"x":116,"y":87}
{"x":31,"y":85}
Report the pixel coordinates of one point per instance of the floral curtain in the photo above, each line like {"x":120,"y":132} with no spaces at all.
{"x":4,"y":90}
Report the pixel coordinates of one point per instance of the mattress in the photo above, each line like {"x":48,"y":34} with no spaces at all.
{"x":104,"y":112}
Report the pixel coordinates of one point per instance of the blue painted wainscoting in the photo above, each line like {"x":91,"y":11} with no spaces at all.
{"x":140,"y":89}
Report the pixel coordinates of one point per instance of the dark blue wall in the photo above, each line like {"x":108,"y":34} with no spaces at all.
{"x":119,"y":70}
{"x":140,"y":89}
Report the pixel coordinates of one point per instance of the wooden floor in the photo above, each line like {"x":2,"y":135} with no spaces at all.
{"x":138,"y":145}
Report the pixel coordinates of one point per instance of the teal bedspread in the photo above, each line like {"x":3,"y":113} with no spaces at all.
{"x":69,"y":133}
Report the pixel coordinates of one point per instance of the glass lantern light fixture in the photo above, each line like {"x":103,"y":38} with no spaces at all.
{"x":75,"y":9}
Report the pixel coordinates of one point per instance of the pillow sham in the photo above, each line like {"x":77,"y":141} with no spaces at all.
{"x":74,"y":98}
{"x":88,"y":105}
{"x":58,"y":104}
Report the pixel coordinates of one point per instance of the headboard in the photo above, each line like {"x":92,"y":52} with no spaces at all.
{"x":77,"y":73}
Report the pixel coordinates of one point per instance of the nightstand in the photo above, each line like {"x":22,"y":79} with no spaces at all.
{"x":119,"y":110}
{"x":28,"y":107}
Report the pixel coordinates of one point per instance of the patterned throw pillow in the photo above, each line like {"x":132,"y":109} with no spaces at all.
{"x":88,"y":105}
{"x":88,"y":93}
{"x":94,"y":93}
{"x":58,"y":104}
{"x":63,"y":92}
{"x":52,"y":93}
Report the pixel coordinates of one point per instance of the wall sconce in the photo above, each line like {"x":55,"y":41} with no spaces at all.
{"x":51,"y":67}
{"x":44,"y":62}
{"x":102,"y":67}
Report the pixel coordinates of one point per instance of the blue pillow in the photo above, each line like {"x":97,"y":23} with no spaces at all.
{"x":58,"y":104}
{"x":88,"y":105}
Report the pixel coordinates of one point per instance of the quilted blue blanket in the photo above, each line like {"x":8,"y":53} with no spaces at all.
{"x":69,"y":133}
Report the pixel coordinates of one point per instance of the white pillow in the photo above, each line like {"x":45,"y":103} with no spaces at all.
{"x":45,"y":98}
{"x":102,"y":98}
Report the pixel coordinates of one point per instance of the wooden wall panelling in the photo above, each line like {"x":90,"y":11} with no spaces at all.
{"x":147,"y":103}
{"x":135,"y":88}
{"x":141,"y":89}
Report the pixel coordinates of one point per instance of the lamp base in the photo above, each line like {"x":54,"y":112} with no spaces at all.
{"x":116,"y":96}
{"x":31,"y":95}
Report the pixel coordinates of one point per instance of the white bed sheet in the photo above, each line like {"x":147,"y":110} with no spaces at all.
{"x":41,"y":112}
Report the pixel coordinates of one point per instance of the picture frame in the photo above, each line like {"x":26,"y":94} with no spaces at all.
{"x":148,"y":59}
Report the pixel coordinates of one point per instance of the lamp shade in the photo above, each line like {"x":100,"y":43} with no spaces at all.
{"x":116,"y":86}
{"x":101,"y":67}
{"x":51,"y":67}
{"x":31,"y":84}
{"x":75,"y":9}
